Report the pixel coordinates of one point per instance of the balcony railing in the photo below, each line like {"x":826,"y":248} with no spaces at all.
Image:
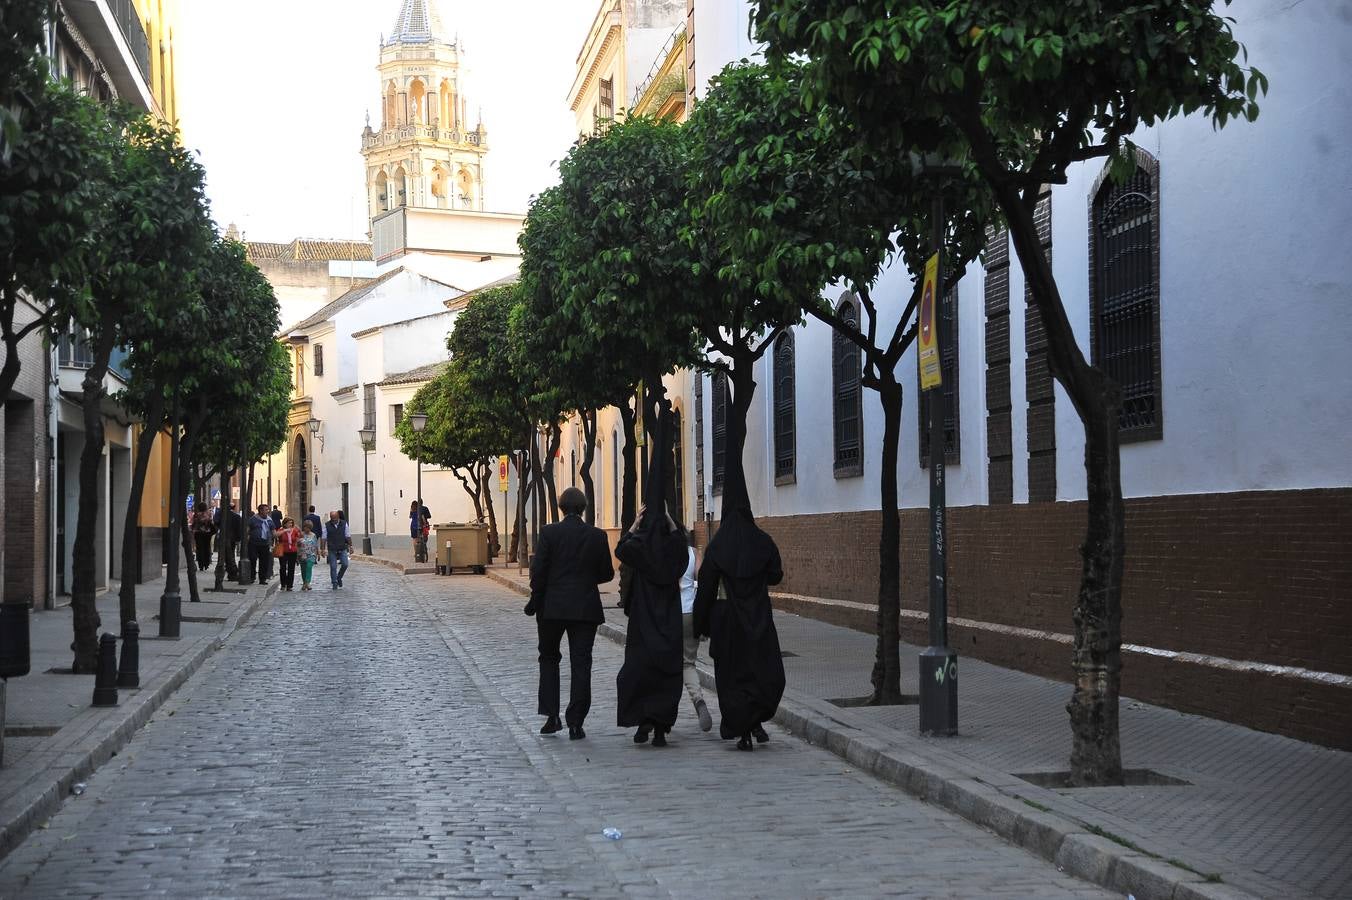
{"x":134,"y":32}
{"x":73,"y":352}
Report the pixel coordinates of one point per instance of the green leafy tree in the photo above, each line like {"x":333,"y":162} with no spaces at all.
{"x":1025,"y":90}
{"x":149,"y":244}
{"x":625,"y":273}
{"x":794,"y":204}
{"x":497,"y":399}
{"x":574,"y":367}
{"x":52,"y":199}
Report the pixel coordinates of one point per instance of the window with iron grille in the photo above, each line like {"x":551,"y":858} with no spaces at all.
{"x":1124,"y":294}
{"x":948,"y":367}
{"x":846,"y":401}
{"x":719,"y":417}
{"x":319,"y":359}
{"x":678,"y":465}
{"x":606,"y":98}
{"x":368,"y":406}
{"x":785,"y":436}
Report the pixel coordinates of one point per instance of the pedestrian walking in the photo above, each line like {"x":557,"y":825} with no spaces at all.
{"x":307,"y":551}
{"x":203,"y":527}
{"x":276,"y":517}
{"x":690,"y":642}
{"x":288,"y":541}
{"x":415,"y":532}
{"x":260,"y":530}
{"x":656,"y":548}
{"x":571,"y":559}
{"x":336,"y":543}
{"x":316,"y":523}
{"x":732,"y":606}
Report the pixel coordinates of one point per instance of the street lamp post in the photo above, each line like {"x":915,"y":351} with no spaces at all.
{"x":938,"y":662}
{"x":419,"y":422}
{"x":368,"y":441}
{"x":314,"y":433}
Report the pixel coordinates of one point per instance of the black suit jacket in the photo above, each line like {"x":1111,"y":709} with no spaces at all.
{"x":571,"y":559}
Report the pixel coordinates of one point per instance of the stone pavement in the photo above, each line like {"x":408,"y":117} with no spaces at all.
{"x":381,"y":741}
{"x":55,"y":737}
{"x":1267,"y":814}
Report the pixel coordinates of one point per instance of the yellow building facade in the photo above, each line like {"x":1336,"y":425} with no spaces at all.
{"x":159,"y":18}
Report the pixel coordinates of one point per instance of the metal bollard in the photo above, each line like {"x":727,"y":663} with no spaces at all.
{"x":105,"y":679}
{"x":129,"y":665}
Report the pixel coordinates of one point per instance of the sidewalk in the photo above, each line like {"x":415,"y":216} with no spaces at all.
{"x":1257,"y":814}
{"x":56,"y":738}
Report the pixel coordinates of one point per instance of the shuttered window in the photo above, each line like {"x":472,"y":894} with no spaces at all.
{"x":847,"y":413}
{"x":1125,"y":295}
{"x":785,"y":413}
{"x":719,"y":418}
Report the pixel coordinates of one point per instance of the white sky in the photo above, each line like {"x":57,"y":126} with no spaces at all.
{"x":274,"y":95}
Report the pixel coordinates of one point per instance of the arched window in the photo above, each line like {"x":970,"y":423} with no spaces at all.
{"x":383,"y":193}
{"x":417,"y":95}
{"x":719,"y":419}
{"x":678,"y":465}
{"x":785,"y":401}
{"x":1124,"y":294}
{"x":399,"y":189}
{"x":846,"y":401}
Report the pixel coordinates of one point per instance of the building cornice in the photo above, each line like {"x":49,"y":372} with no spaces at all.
{"x":606,"y":36}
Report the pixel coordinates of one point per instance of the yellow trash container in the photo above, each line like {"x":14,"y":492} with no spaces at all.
{"x":462,"y":547}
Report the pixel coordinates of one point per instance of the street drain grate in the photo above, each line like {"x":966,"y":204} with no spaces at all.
{"x":1060,"y":781}
{"x":853,"y":702}
{"x":785,"y":654}
{"x":23,"y":731}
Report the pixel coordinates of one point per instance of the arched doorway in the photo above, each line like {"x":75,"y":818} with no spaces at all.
{"x":301,"y":479}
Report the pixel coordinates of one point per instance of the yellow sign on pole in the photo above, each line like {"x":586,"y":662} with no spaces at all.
{"x":930,"y":370}
{"x":502,"y":474}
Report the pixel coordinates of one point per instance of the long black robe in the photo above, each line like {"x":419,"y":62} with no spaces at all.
{"x":743,"y":643}
{"x":656,"y":555}
{"x":649,"y":683}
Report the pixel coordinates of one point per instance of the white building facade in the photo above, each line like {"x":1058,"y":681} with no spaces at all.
{"x":1217,"y":282}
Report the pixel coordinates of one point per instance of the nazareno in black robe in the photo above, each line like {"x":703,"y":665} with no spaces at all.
{"x":743,"y":643}
{"x":649,"y":684}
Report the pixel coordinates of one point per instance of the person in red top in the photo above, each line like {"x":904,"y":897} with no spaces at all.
{"x":288,"y":542}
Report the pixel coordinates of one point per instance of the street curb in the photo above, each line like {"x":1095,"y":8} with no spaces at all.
{"x":1061,"y":840}
{"x":74,"y":759}
{"x":401,"y":568}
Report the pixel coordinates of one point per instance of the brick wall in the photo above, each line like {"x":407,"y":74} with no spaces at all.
{"x":23,"y":472}
{"x":1257,"y":576}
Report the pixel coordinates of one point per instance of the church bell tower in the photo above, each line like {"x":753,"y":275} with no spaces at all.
{"x":426,"y":153}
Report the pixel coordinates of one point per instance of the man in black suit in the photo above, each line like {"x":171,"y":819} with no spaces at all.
{"x":571,"y":559}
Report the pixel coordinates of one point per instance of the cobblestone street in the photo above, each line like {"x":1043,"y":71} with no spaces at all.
{"x":382,"y":741}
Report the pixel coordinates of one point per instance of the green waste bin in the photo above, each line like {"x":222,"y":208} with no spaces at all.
{"x":463,"y":547}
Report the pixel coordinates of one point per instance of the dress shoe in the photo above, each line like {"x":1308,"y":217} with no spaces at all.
{"x":659,"y":738}
{"x":575,"y":733}
{"x":759,"y":734}
{"x":745,"y":743}
{"x":552,"y":724}
{"x":641,"y":736}
{"x":706,"y":721}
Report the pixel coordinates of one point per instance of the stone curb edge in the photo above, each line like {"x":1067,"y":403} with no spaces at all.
{"x":44,"y":792}
{"x":1060,"y":840}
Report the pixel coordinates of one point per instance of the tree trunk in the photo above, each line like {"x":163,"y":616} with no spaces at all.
{"x":486,"y":483}
{"x":175,"y":499}
{"x":588,"y":456}
{"x":131,"y":525}
{"x":548,"y":466}
{"x":629,"y":488}
{"x":743,"y":381}
{"x":224,"y":547}
{"x":887,"y":660}
{"x":185,"y":471}
{"x":85,"y":614}
{"x":246,"y":482}
{"x":1096,"y":755}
